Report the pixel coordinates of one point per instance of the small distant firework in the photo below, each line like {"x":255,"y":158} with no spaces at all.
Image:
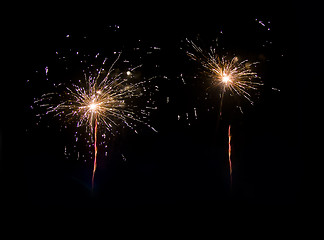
{"x":106,"y":99}
{"x":227,"y":73}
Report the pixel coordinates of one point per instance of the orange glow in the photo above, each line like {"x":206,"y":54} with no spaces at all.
{"x":229,"y":153}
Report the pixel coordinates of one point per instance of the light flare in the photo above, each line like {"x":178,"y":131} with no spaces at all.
{"x":93,"y":107}
{"x":226,"y":79}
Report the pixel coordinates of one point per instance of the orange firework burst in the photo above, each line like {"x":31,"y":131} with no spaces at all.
{"x":228,"y":73}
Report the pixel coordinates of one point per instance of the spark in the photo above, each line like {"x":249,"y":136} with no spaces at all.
{"x":262,"y":23}
{"x":195,"y":112}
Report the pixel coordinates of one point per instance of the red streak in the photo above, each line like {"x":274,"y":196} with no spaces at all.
{"x":229,"y":153}
{"x":95,"y":158}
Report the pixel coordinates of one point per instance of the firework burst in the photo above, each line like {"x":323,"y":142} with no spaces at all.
{"x":106,"y":99}
{"x":227,"y":73}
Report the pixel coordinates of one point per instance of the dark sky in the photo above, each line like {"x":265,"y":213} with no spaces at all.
{"x":180,"y":165}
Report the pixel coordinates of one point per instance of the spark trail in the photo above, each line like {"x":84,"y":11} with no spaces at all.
{"x":229,"y":155}
{"x":95,"y":154}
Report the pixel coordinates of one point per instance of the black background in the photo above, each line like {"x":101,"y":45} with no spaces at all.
{"x":181,"y":167}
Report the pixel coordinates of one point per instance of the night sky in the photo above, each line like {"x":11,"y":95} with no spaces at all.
{"x":185,"y":163}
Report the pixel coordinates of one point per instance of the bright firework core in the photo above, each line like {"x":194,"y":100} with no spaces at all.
{"x":93,"y":107}
{"x":226,"y":79}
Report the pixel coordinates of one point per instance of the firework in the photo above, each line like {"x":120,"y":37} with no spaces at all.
{"x":227,"y":73}
{"x":105,"y":100}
